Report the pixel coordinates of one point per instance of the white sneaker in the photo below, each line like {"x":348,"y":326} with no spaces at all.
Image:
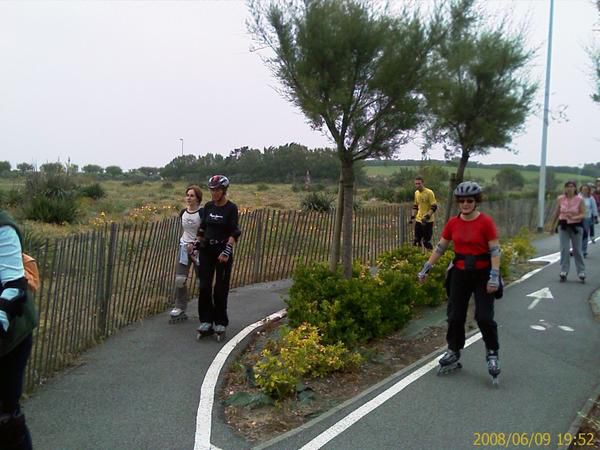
{"x":219,"y":328}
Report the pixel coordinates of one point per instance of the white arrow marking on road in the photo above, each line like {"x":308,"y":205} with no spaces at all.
{"x":538,"y":295}
{"x":566,"y":328}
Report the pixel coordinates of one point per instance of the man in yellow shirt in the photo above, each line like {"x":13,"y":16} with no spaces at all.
{"x":423,"y":214}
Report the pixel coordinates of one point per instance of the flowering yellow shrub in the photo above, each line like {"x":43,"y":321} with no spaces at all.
{"x":300,"y":354}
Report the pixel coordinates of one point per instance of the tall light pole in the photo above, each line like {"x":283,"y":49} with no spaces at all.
{"x":181,"y":139}
{"x":542,"y":184}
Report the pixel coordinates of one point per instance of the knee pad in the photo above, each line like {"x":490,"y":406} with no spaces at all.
{"x":180,"y":281}
{"x":13,"y":431}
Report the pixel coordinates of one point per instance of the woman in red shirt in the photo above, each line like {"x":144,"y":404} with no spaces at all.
{"x":475,"y":270}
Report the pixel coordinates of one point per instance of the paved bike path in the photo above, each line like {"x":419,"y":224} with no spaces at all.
{"x":548,"y":372}
{"x":140,"y":389}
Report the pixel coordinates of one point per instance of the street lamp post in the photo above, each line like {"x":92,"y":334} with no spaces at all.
{"x":542,"y":183}
{"x":181,"y":139}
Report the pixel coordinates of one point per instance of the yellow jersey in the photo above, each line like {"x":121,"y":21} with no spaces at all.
{"x":424,"y":200}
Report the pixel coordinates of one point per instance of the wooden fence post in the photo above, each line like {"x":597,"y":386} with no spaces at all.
{"x":258,"y":248}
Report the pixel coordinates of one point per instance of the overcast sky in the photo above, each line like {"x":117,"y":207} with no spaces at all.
{"x":119,"y":83}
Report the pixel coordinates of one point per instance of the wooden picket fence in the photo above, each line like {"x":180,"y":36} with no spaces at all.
{"x":98,"y":282}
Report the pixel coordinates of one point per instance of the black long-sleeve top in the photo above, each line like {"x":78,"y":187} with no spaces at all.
{"x":220,"y":222}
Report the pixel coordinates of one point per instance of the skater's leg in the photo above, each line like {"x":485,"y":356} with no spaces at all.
{"x":484,"y":312}
{"x":577,"y":255}
{"x":418,"y":237}
{"x":206,"y":271}
{"x":181,"y":293}
{"x":13,"y":430}
{"x":565,"y":243}
{"x":222,"y":279}
{"x":427,"y":235}
{"x":460,"y":293}
{"x":585,"y":237}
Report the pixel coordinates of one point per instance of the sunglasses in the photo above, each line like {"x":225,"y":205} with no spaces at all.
{"x":466,"y":200}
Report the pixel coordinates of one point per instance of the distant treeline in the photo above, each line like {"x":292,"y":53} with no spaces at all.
{"x":590,"y":169}
{"x":288,"y":163}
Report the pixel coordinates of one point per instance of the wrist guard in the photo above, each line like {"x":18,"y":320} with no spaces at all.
{"x":425,"y":270}
{"x":494,"y":280}
{"x":228,"y":251}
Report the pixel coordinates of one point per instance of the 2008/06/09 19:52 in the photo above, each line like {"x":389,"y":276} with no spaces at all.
{"x":531,"y":440}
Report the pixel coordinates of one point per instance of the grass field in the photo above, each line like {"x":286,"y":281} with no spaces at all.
{"x":480,"y":173}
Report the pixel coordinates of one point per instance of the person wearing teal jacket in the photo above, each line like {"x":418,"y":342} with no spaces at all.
{"x":17,"y":321}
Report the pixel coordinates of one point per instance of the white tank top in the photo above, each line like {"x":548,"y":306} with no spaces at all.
{"x":190,"y":222}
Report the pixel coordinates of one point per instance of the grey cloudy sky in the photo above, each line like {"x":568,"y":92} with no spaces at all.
{"x":116,"y":82}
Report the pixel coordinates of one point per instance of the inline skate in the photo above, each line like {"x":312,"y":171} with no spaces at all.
{"x":449,"y":362}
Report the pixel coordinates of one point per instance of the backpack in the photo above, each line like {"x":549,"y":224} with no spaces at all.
{"x":32,"y":273}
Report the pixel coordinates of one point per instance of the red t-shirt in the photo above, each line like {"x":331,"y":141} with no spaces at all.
{"x":471,"y":237}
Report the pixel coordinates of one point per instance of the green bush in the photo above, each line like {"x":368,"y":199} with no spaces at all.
{"x":299,"y":354}
{"x":354,"y":310}
{"x":409,"y":260}
{"x":516,"y":250}
{"x":316,"y":201}
{"x":13,"y":197}
{"x":167,"y":185}
{"x":94,"y":191}
{"x":51,"y":198}
{"x":51,"y":210}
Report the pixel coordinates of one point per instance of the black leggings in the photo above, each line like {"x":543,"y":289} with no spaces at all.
{"x":14,"y":433}
{"x":462,"y":285}
{"x":212,"y":303}
{"x":423,"y":234}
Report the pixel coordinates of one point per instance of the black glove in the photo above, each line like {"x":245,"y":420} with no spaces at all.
{"x":426,"y":217}
{"x":228,"y":251}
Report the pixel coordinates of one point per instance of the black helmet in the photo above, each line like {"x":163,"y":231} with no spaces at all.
{"x":467,"y":189}
{"x":218,"y":181}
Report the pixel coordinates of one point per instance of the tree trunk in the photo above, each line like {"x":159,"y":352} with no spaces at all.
{"x":334,"y":256}
{"x":456,"y":180}
{"x":348,"y":185}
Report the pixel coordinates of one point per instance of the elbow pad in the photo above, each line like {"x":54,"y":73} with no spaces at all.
{"x":440,"y":249}
{"x":434,"y":207}
{"x":495,"y":250}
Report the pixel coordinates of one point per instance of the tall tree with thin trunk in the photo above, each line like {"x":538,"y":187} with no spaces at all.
{"x":479,"y":94}
{"x":355,"y":71}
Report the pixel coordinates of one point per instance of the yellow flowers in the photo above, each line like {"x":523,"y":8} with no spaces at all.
{"x":299,"y":354}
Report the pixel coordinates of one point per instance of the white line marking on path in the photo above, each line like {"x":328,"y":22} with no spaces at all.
{"x":552,"y":258}
{"x":207,"y":392}
{"x":539,"y":295}
{"x":365,"y":409}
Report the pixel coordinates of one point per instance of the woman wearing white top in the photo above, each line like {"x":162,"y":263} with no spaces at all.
{"x":191,"y":218}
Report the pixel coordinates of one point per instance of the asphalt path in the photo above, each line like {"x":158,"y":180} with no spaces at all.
{"x":140,"y":389}
{"x":550,"y":365}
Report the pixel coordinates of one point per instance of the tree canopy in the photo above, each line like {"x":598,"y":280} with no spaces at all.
{"x":355,"y":71}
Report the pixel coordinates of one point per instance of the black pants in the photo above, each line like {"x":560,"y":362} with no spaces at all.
{"x":12,"y":372}
{"x":423,"y":234}
{"x":462,"y":284}
{"x":212,"y":302}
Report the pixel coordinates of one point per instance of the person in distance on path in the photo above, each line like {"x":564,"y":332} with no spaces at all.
{"x":475,"y":270}
{"x":568,"y":220}
{"x":591,"y":214}
{"x":190,"y":224}
{"x":424,"y":209}
{"x":219,"y":233}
